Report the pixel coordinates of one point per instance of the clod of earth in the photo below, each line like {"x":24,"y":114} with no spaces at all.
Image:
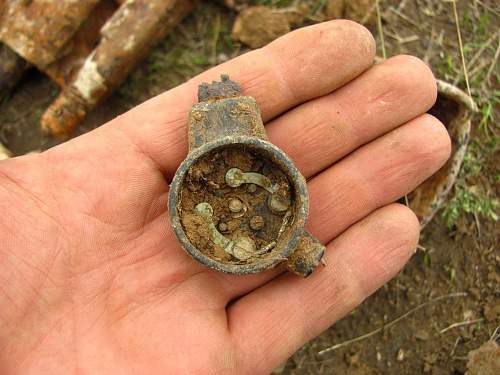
{"x":296,"y":13}
{"x":259,"y":25}
{"x":257,"y":222}
{"x":485,"y":360}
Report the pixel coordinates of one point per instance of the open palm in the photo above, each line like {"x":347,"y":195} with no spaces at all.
{"x":92,"y":280}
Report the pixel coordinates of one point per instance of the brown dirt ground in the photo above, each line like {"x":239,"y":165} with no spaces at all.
{"x":462,"y":259}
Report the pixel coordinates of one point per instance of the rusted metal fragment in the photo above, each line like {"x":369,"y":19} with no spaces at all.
{"x":455,"y":109}
{"x":307,"y":256}
{"x":38,"y":30}
{"x":237,"y":203}
{"x":64,"y":69}
{"x":12,"y":68}
{"x":126,"y":38}
{"x":218,"y":90}
{"x":362,"y":11}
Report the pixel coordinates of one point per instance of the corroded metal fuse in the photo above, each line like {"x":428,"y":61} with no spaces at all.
{"x":237,"y":203}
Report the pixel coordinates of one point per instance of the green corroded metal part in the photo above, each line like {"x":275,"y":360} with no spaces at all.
{"x":236,"y":177}
{"x":242,"y":249}
{"x":225,"y":119}
{"x":206,"y":212}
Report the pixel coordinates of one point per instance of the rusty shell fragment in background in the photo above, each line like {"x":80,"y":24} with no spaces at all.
{"x":125,"y":39}
{"x":455,"y":109}
{"x":64,"y":69}
{"x":38,"y":30}
{"x":12,"y":68}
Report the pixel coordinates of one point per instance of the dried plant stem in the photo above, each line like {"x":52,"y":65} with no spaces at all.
{"x":380,"y":29}
{"x":460,"y":44}
{"x":496,"y":334}
{"x":460,"y":324}
{"x":494,"y":61}
{"x":482,"y":49}
{"x":391,"y":323}
{"x":405,"y":17}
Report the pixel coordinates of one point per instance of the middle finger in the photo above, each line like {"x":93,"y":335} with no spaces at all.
{"x":321,"y":131}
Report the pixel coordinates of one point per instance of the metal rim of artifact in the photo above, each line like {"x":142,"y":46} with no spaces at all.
{"x":290,"y":240}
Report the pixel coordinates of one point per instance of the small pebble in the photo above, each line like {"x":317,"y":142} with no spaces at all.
{"x":257,"y":222}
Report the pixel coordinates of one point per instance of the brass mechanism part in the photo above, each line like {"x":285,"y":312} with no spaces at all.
{"x":236,"y":177}
{"x":242,"y":249}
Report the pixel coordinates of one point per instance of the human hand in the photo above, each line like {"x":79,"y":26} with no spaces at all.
{"x":93,"y":280}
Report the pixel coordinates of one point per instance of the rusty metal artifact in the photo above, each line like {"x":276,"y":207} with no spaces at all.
{"x":455,"y":109}
{"x":237,"y":203}
{"x":125,"y":39}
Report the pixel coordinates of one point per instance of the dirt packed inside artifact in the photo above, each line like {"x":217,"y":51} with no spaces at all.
{"x":454,"y":274}
{"x":236,"y":205}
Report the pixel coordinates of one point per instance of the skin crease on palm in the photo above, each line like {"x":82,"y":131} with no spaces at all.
{"x":92,"y":280}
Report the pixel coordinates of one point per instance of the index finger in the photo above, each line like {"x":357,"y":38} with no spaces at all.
{"x":302,"y":65}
